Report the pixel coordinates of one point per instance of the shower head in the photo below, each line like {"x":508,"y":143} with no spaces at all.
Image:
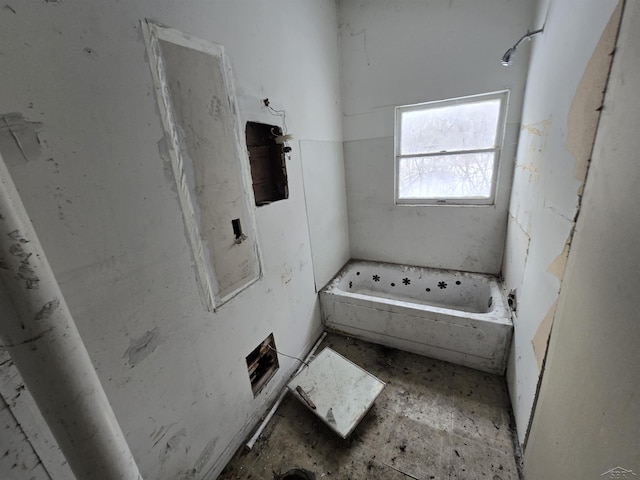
{"x":509,"y":55}
{"x":507,"y":58}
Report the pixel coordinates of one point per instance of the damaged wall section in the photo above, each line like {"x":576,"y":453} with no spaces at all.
{"x":195,"y":93}
{"x":588,"y":401}
{"x":560,"y":114}
{"x":112,"y":226}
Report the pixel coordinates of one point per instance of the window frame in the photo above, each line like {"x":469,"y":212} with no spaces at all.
{"x":503,"y":96}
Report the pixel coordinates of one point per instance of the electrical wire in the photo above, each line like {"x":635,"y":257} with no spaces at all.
{"x":290,"y":356}
{"x":277,"y":113}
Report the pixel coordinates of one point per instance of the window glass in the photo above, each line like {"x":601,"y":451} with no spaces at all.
{"x":456,"y":127}
{"x":448,"y":151}
{"x":466,"y":175}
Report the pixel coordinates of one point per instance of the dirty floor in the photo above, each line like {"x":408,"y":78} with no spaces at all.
{"x":433,"y":420}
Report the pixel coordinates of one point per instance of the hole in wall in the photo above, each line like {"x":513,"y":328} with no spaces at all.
{"x":262,"y":364}
{"x":512,"y":300}
{"x":237,"y":228}
{"x":267,"y":161}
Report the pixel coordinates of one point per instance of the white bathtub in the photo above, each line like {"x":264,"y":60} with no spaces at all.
{"x":454,"y":316}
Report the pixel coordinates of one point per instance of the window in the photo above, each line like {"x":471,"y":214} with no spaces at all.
{"x":447,"y":152}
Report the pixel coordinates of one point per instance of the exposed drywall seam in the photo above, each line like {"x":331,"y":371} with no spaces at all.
{"x":602,"y":58}
{"x":584,"y":113}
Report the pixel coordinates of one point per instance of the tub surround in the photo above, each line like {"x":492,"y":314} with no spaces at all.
{"x":459,"y":317}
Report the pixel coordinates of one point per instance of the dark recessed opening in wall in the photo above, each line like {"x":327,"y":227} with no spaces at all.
{"x":262,"y":364}
{"x":267,"y":159}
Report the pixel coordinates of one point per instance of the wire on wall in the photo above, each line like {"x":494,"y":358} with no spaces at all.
{"x":284,"y":137}
{"x":290,"y":356}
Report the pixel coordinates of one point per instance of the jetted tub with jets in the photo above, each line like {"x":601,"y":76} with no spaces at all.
{"x":454,"y":316}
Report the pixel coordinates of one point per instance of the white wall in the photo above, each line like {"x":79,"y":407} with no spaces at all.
{"x":588,"y":415}
{"x":403,"y":52}
{"x":567,"y":75}
{"x":104,"y":205}
{"x":326,"y":199}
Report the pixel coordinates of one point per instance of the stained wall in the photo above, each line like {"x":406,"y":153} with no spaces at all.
{"x":89,"y":166}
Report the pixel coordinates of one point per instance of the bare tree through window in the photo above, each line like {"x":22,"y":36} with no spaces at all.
{"x":449,"y":149}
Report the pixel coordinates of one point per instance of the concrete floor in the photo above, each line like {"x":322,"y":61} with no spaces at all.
{"x":433,"y":420}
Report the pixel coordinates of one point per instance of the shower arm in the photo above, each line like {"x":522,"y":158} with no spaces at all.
{"x":509,"y":55}
{"x":527,"y":35}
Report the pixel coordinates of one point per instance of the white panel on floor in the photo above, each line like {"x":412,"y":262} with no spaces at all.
{"x":338,"y":391}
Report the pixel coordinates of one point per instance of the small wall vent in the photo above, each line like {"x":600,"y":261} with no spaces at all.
{"x":262,"y":364}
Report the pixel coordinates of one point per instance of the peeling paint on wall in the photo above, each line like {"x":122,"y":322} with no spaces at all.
{"x":584,"y":116}
{"x":541,"y":338}
{"x":141,"y":348}
{"x":19,"y":139}
{"x":560,"y":117}
{"x":560,"y":263}
{"x":584,"y":113}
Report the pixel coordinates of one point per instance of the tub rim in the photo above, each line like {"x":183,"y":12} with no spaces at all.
{"x":499,"y":312}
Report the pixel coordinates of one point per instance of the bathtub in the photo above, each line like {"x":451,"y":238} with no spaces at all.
{"x":458,"y":317}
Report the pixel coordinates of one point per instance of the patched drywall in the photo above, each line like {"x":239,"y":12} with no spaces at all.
{"x":197,"y":100}
{"x":560,"y":113}
{"x":399,"y":53}
{"x":109,"y":217}
{"x":587,"y":416}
